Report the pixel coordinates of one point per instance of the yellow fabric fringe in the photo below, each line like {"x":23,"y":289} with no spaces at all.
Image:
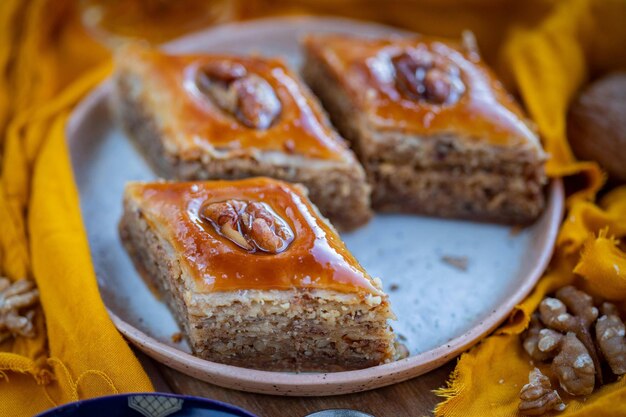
{"x":544,"y":50}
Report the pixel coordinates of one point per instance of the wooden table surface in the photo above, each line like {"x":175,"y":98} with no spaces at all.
{"x":413,"y":398}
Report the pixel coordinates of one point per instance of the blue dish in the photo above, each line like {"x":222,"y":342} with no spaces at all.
{"x":147,"y":405}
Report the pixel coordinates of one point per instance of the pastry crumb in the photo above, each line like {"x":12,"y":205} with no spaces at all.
{"x":177,"y":337}
{"x":394,"y":287}
{"x":459,"y":262}
{"x":402,"y":351}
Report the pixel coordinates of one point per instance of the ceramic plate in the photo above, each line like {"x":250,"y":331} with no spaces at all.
{"x":147,"y":405}
{"x":441,"y":310}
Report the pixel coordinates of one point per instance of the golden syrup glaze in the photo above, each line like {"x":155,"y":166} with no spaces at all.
{"x":485,"y":112}
{"x":316,"y":258}
{"x":196,"y":124}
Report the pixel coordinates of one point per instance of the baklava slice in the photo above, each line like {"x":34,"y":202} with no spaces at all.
{"x":198,"y":117}
{"x":255,"y":276}
{"x":436,"y":132}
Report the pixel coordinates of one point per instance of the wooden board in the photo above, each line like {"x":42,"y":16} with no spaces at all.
{"x":412,"y":398}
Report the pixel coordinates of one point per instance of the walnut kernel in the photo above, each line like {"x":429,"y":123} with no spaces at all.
{"x":246,"y":96}
{"x":574,"y":367}
{"x":250,"y":225}
{"x":422,"y":75}
{"x":610,"y":332}
{"x":537,"y":397}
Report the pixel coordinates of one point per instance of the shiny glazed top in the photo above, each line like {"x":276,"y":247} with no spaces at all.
{"x":196,"y":124}
{"x":484,"y":112}
{"x":316,"y":258}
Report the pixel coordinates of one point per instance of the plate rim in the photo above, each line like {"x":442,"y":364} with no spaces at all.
{"x":333,"y":383}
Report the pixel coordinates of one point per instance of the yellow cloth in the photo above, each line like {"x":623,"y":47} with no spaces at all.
{"x":550,"y":61}
{"x":78,"y":352}
{"x":544,"y":50}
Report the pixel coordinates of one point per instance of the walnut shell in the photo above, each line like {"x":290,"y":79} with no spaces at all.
{"x":596,"y":124}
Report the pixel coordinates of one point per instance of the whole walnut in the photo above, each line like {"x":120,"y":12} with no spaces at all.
{"x":596,"y":124}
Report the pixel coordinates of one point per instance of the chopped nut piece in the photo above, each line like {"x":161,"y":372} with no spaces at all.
{"x":17,"y":301}
{"x":251,"y":226}
{"x":574,"y":367}
{"x":248,"y":97}
{"x":458,"y":262}
{"x":176,"y":337}
{"x":537,"y":397}
{"x":610,"y":332}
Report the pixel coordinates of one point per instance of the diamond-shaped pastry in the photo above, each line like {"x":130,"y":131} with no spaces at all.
{"x":256,"y":276}
{"x":202,"y":116}
{"x":435,"y":130}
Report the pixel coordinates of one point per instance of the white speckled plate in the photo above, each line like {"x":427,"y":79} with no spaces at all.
{"x":441,"y":310}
